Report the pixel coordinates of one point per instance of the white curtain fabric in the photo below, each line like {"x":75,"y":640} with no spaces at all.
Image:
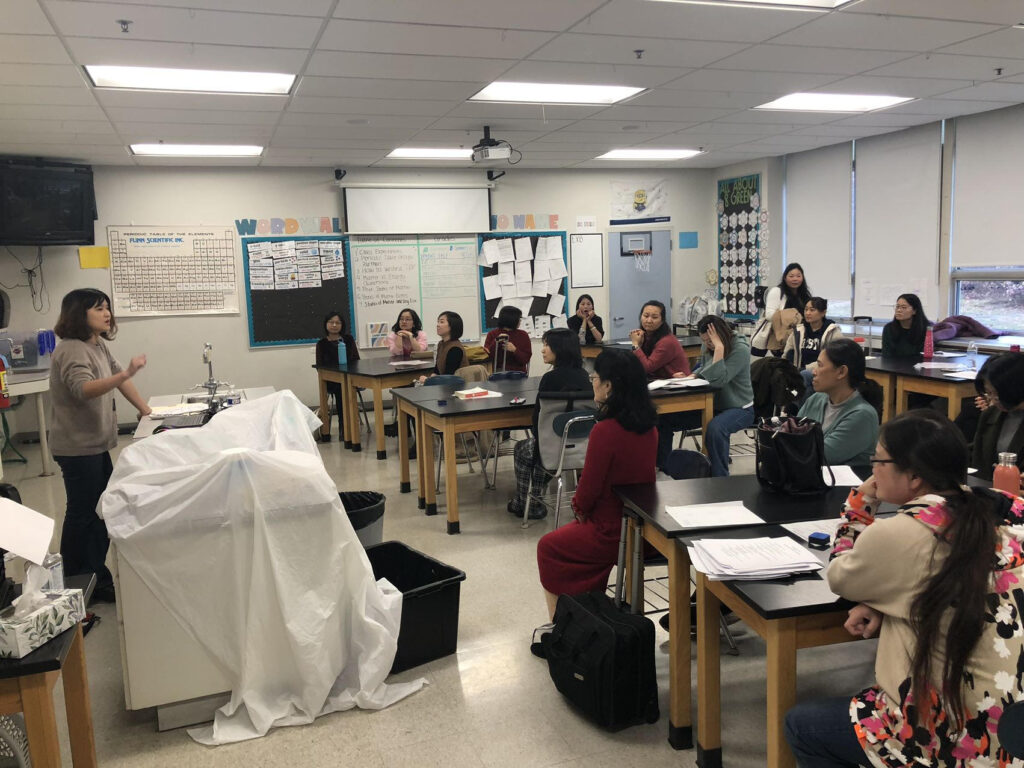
{"x":239,"y":532}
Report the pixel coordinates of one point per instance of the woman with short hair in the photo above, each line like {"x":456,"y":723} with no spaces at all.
{"x":509,"y":348}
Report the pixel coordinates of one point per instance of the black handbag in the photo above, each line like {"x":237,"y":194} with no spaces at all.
{"x":790,"y":456}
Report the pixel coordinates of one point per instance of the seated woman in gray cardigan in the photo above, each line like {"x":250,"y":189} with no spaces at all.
{"x":846,"y":404}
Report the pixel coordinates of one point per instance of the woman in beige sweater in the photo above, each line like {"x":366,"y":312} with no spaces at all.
{"x":940,"y":584}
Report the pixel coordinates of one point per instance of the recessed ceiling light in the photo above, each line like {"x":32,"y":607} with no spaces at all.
{"x":197,"y":150}
{"x":430,"y":153}
{"x":833,"y":102}
{"x":208,"y":80}
{"x":648,"y":154}
{"x":788,"y":5}
{"x":555,"y":93}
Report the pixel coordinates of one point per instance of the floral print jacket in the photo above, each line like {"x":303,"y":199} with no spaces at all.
{"x":884,"y":563}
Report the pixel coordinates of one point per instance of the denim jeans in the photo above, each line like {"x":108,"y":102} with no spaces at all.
{"x":83,"y":538}
{"x":719,"y":430}
{"x":821,"y":734}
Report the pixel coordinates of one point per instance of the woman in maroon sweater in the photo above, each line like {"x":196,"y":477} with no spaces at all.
{"x":655,"y":346}
{"x":508,"y":347}
{"x":579,"y":556}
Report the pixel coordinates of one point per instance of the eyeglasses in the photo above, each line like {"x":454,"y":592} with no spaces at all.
{"x":594,"y":377}
{"x":902,"y":307}
{"x":874,"y":461}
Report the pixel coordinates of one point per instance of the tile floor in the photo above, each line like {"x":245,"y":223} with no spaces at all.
{"x":491,"y":704}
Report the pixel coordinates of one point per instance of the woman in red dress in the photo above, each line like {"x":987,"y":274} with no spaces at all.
{"x":623,"y":446}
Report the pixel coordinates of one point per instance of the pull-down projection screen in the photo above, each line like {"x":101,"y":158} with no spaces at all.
{"x":404,"y":211}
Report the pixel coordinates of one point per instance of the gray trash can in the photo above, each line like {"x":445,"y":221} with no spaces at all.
{"x":366,"y":513}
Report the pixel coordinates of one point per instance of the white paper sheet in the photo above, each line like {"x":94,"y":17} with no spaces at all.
{"x":509,"y":293}
{"x":505,"y":250}
{"x":524,"y":290}
{"x":24,"y":531}
{"x":553,"y":248}
{"x":675,"y":383}
{"x":541,"y":270}
{"x":490,"y":251}
{"x":523,"y":249}
{"x":492,"y":287}
{"x":720,"y":515}
{"x":556,"y":268}
{"x":506,"y":274}
{"x":556,"y":305}
{"x":963,"y":375}
{"x":540,"y":288}
{"x":522,"y":271}
{"x":542,"y":324}
{"x":526,"y":325}
{"x":559,"y":321}
{"x":844,"y":475}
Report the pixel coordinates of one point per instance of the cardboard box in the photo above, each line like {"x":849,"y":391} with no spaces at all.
{"x":19,"y":637}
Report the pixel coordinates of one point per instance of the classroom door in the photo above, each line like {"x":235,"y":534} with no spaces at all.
{"x":630,"y":287}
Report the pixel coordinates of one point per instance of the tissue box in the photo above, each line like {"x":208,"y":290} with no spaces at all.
{"x":19,"y":637}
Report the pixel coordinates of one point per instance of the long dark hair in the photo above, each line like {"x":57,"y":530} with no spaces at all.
{"x":795,"y":299}
{"x":417,"y":324}
{"x":509,"y":317}
{"x":565,"y":345}
{"x":650,"y":339}
{"x":928,"y":445}
{"x":73,"y":322}
{"x":341,"y":317}
{"x":630,"y":401}
{"x":919,"y":323}
{"x":1005,"y":374}
{"x":722,"y":328}
{"x":586,"y":296}
{"x":843,"y":351}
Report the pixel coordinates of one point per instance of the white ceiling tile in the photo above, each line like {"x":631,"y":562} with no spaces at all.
{"x":330,"y":130}
{"x":885,"y":119}
{"x":595,"y":138}
{"x":293,"y":7}
{"x":25,"y":18}
{"x":186,"y":25}
{"x":750,"y":82}
{"x":999,"y":91}
{"x":946,"y":107}
{"x":494,"y":111}
{"x":634,"y":128}
{"x":544,"y":153}
{"x":143,"y":53}
{"x":408,"y":123}
{"x":694,"y":139}
{"x":429,"y":40}
{"x":60,"y":75}
{"x":198,"y":116}
{"x":590,"y":74}
{"x":990,"y":11}
{"x":52,"y":112}
{"x":130,"y":99}
{"x":618,"y":49}
{"x":1007,"y":43}
{"x":193,"y":133}
{"x":842,"y":131}
{"x":747,"y":128}
{"x":671,"y":97}
{"x":34,"y":126}
{"x":433,"y":137}
{"x":382,"y":65}
{"x":894,"y":33}
{"x":955,"y":67}
{"x":28,"y":94}
{"x":72,"y":152}
{"x":380,"y":88}
{"x":32,"y":49}
{"x":499,"y":128}
{"x":694,"y":22}
{"x":632,"y":113}
{"x":322,"y":143}
{"x":778,"y":117}
{"x":802,"y":58}
{"x":345,"y":106}
{"x":59,"y":137}
{"x":327,"y":156}
{"x":552,"y":15}
{"x":916,"y":87}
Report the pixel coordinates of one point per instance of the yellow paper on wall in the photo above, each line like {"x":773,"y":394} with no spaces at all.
{"x":94,"y":256}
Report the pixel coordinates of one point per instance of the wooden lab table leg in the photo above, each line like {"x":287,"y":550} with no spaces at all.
{"x":425,"y":454}
{"x":77,"y":705}
{"x":451,"y":478}
{"x":40,"y":719}
{"x":352,"y":415}
{"x":709,"y":414}
{"x":709,"y":677}
{"x":325,"y":410}
{"x":378,"y":419}
{"x":403,"y":448}
{"x":885,"y":381}
{"x":781,"y":674}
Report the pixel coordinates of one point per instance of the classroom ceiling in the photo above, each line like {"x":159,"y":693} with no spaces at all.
{"x":377,"y":74}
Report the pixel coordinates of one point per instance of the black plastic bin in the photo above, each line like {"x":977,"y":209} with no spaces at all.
{"x":366,"y":513}
{"x":430,"y":602}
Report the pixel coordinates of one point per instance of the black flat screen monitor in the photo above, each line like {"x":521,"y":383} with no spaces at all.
{"x":46,"y":204}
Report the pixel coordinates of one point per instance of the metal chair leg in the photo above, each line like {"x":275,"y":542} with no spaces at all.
{"x":733,"y":650}
{"x":526,"y":508}
{"x":362,"y":409}
{"x":465,"y":449}
{"x":620,"y":579}
{"x":636,"y":599}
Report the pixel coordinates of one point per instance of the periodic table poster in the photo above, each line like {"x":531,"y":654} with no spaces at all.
{"x":739,"y":244}
{"x":172,"y":270}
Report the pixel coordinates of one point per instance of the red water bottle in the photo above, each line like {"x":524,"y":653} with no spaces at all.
{"x":929,"y":345}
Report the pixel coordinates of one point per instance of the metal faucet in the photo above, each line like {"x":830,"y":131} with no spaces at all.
{"x":211,"y":384}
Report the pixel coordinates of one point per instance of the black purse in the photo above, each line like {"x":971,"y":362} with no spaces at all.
{"x":790,"y":456}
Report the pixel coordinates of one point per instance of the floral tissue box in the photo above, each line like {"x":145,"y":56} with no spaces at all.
{"x":19,"y":637}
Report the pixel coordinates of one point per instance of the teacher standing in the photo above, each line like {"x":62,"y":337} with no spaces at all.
{"x":83,"y":428}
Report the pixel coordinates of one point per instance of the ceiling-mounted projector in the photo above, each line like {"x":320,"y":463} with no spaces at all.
{"x":489,"y":150}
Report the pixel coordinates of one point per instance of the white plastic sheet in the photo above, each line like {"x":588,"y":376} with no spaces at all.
{"x":239,"y":532}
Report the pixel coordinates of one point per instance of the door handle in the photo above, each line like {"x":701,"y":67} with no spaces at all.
{"x":618,"y":319}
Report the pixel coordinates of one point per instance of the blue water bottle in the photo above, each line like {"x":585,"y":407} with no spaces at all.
{"x":342,"y":353}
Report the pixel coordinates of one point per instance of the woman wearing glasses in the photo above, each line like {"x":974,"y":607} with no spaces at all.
{"x":1000,"y":383}
{"x":903,"y":336}
{"x":939,"y":584}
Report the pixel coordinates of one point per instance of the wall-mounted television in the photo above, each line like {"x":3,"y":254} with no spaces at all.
{"x":46,"y":203}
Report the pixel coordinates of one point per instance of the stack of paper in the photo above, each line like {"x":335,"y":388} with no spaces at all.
{"x":751,"y":559}
{"x":675,"y":383}
{"x":474,"y":393}
{"x":719,"y":515}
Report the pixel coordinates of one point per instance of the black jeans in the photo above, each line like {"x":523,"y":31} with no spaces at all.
{"x":83,"y":539}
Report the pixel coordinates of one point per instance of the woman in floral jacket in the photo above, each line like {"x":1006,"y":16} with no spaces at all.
{"x":941,"y":584}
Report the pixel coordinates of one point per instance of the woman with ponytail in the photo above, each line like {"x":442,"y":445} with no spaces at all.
{"x":845,"y":403}
{"x":939,"y":582}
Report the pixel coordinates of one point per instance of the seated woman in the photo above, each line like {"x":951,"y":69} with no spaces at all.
{"x":585,"y":323}
{"x":561,"y":351}
{"x":508,"y":347}
{"x":327,"y":357}
{"x":1001,"y":424}
{"x":450,"y":354}
{"x":809,"y":338}
{"x":655,"y":346}
{"x":937,"y":583}
{"x":846,"y":404}
{"x":579,"y":556}
{"x":407,"y":334}
{"x":903,"y":336}
{"x":724,"y":363}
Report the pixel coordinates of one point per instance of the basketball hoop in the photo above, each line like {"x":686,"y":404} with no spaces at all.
{"x":642,"y":260}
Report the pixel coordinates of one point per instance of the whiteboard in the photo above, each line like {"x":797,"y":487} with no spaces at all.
{"x":586,"y":260}
{"x":385,"y":210}
{"x":429,"y":274}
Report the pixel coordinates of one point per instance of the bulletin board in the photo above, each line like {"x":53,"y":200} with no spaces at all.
{"x":739,"y":244}
{"x":291,"y":283}
{"x":539,"y":278}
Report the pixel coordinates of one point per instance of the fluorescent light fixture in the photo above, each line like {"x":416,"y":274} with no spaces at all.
{"x":208,"y":80}
{"x":430,"y":153}
{"x":648,"y":154}
{"x":833,"y":102}
{"x":196,"y":150}
{"x":789,"y":5}
{"x":555,"y":93}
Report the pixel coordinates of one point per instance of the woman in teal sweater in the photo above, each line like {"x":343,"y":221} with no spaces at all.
{"x":724,"y":363}
{"x":845,"y":403}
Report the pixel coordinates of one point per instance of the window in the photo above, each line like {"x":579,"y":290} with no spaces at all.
{"x":992,"y":297}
